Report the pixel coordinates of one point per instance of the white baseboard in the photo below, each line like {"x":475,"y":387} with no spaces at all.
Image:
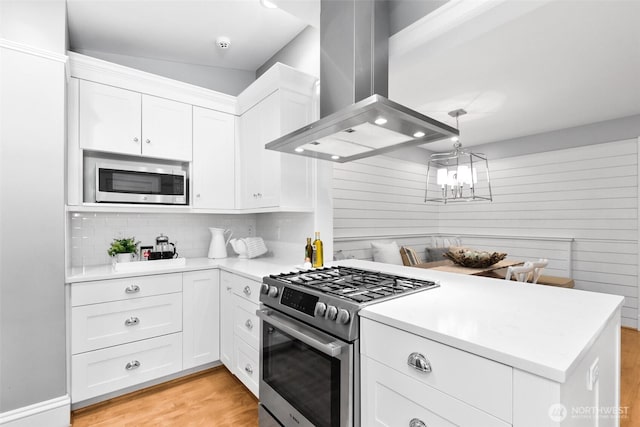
{"x":52,"y":413}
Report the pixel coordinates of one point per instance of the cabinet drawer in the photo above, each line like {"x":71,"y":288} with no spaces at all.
{"x":246,"y":323}
{"x":393,"y":399}
{"x":122,"y":289}
{"x":118,"y":322}
{"x":103,"y":371}
{"x":247,"y":368}
{"x":247,"y":288}
{"x":462,"y":375}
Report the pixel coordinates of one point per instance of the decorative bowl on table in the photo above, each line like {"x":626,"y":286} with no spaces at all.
{"x":472,"y":258}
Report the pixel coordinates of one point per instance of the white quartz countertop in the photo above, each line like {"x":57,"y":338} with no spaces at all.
{"x":540,"y":329}
{"x":254,"y":269}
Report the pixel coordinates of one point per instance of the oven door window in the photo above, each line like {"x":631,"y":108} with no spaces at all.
{"x":120,"y":181}
{"x":307,"y":378}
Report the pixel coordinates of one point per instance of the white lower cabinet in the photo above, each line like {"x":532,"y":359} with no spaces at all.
{"x":226,"y":319}
{"x":247,"y":365}
{"x":125,"y":332}
{"x":113,"y":368}
{"x":201,"y":328}
{"x":240,"y":328}
{"x":453,"y":388}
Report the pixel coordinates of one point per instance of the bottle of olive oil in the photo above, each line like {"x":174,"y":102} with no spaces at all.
{"x":308,"y":251}
{"x":318,"y":260}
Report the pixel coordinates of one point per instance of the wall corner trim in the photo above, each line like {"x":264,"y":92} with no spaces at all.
{"x":24,"y":48}
{"x":54,"y":412}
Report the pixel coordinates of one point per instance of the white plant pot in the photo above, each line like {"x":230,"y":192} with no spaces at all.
{"x":128,"y":257}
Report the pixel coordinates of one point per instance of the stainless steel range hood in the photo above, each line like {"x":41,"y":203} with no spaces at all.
{"x":357,"y":119}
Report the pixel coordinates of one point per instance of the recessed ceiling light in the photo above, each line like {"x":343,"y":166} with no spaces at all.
{"x":380,"y":121}
{"x":455,"y":139}
{"x":335,"y":157}
{"x":418,"y":134}
{"x":268,"y":4}
{"x":299,"y":150}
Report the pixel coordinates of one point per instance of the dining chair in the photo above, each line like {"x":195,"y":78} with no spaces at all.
{"x":520,"y":273}
{"x":538,"y":266}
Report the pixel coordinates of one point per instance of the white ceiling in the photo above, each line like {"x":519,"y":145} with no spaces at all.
{"x":520,"y":67}
{"x":182,"y":30}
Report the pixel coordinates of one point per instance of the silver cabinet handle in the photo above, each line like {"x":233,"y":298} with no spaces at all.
{"x":135,"y":139}
{"x":132,"y":321}
{"x":134,"y":364}
{"x":247,"y":290}
{"x":198,"y":195}
{"x":249,"y":369}
{"x":132,"y":289}
{"x":248,"y":324}
{"x":148,"y":141}
{"x":417,"y":423}
{"x":419,"y":362}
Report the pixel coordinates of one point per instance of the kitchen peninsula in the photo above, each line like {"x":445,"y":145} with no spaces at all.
{"x":498,"y":353}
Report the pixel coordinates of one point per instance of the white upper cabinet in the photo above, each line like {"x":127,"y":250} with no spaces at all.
{"x":110,"y":119}
{"x":166,"y":128}
{"x":125,"y":122}
{"x":213,"y":168}
{"x":280,"y":101}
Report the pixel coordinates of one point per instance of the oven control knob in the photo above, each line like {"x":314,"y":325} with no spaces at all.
{"x":264,"y":288}
{"x":332,"y":312}
{"x":320,"y":309}
{"x":343,"y":316}
{"x":273,"y":291}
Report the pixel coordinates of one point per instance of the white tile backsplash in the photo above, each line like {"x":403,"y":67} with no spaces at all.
{"x":92,"y":233}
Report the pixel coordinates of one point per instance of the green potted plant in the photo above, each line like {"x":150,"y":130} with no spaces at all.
{"x":123,"y":250}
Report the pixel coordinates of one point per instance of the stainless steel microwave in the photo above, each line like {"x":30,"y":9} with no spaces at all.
{"x":140,"y":184}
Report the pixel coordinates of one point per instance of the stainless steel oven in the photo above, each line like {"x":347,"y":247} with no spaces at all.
{"x":310,"y":342}
{"x":307,"y":378}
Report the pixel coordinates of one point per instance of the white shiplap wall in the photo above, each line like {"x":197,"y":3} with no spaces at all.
{"x":588,"y":194}
{"x":381,"y":196}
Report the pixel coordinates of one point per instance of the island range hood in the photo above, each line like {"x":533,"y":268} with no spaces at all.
{"x":357,"y":119}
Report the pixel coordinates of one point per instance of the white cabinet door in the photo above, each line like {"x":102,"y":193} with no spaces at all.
{"x":166,"y":128}
{"x":260,"y":167}
{"x":201,"y":326}
{"x":213,"y":168}
{"x":109,"y":119}
{"x":226,"y":319}
{"x":270,"y":178}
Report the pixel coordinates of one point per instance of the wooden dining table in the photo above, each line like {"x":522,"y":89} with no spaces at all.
{"x":450,"y":267}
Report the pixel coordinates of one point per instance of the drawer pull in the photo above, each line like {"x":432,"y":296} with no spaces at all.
{"x":417,"y":423}
{"x":419,"y":362}
{"x":132,"y":365}
{"x":132,"y":321}
{"x":248,"y":324}
{"x":247,"y":290}
{"x":249,"y":369}
{"x":132,"y":289}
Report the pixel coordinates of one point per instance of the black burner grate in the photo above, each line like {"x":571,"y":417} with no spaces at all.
{"x":354,"y":284}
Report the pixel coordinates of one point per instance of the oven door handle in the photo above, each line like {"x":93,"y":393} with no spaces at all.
{"x":330,"y":348}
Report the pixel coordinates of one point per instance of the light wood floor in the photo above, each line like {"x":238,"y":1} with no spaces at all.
{"x":217,"y":398}
{"x":210,"y":398}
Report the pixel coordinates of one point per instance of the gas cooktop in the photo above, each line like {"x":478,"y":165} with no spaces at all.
{"x":353,"y":284}
{"x":330,"y":298}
